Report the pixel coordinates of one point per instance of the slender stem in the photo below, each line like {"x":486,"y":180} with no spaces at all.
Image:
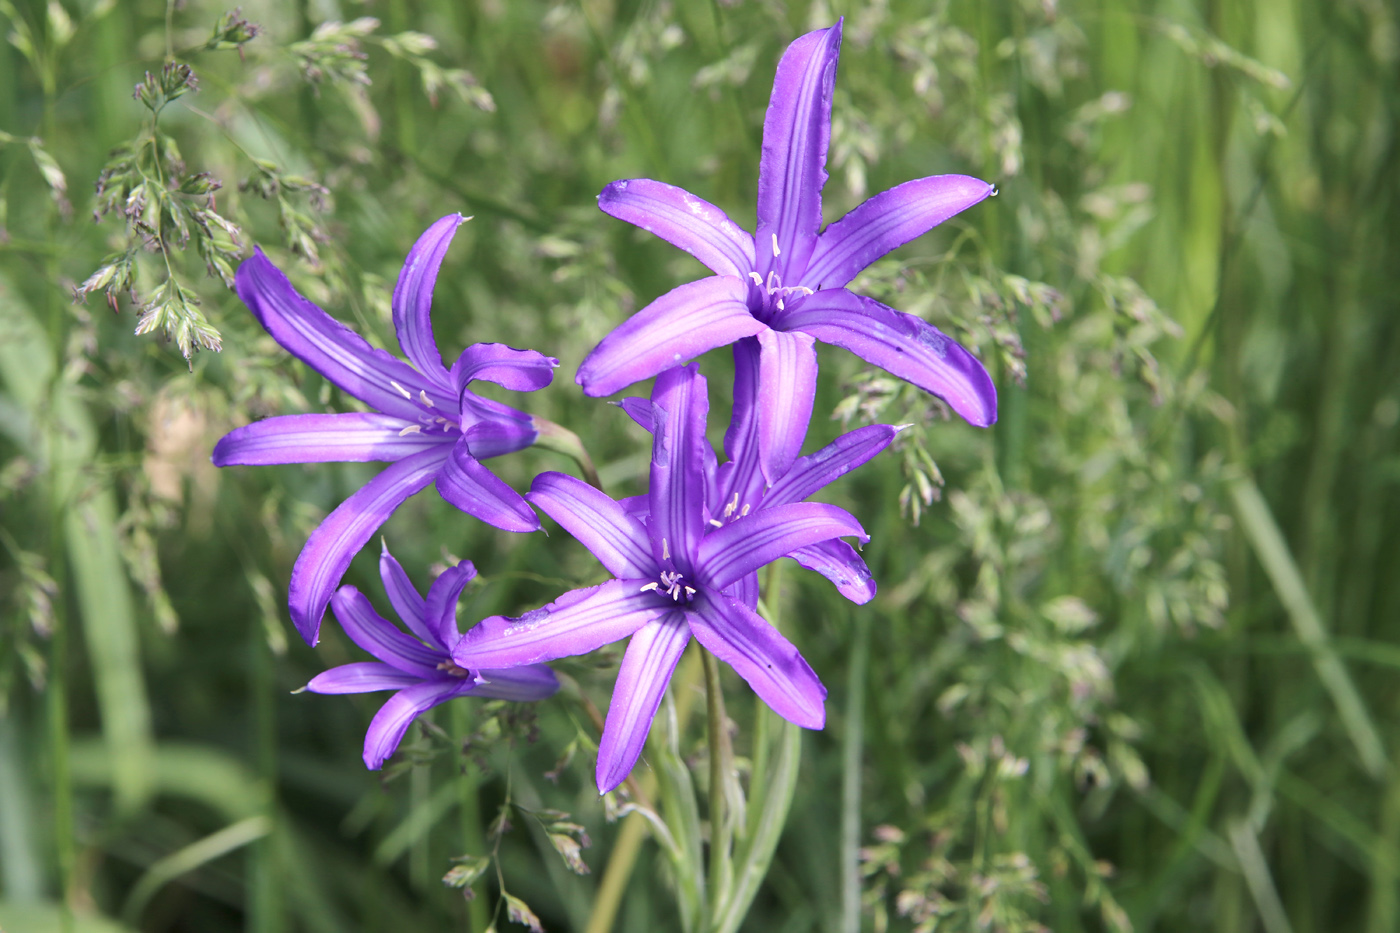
{"x":717,"y":735}
{"x":469,"y":813}
{"x":850,"y":780}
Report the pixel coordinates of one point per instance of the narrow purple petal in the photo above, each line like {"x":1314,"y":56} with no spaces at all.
{"x":387,"y":727}
{"x":903,"y":346}
{"x":335,"y":541}
{"x":487,"y":439}
{"x":617,"y":539}
{"x":677,"y":488}
{"x":678,"y":326}
{"x":354,"y":436}
{"x":792,"y":169}
{"x":413,"y":298}
{"x":361,"y":677}
{"x":574,"y":624}
{"x":890,"y":219}
{"x":744,"y":590}
{"x":744,"y":478}
{"x":681,"y":219}
{"x":814,"y":471}
{"x":403,"y":595}
{"x":640,"y":411}
{"x":382,"y":638}
{"x":838,"y":562}
{"x":521,"y":684}
{"x":471,"y":487}
{"x":326,"y":345}
{"x":440,"y":610}
{"x":760,"y":654}
{"x":646,"y":669}
{"x":517,"y":370}
{"x":787,"y":386}
{"x":743,"y":546}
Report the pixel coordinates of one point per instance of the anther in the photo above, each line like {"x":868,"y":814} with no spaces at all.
{"x":732,"y":507}
{"x":717,"y":523}
{"x":402,"y":391}
{"x":689,"y":591}
{"x":422,"y":395}
{"x":411,"y":429}
{"x":744,"y":511}
{"x":665,"y":550}
{"x":653,"y":585}
{"x":757,"y":279}
{"x":776,"y":251}
{"x":780,"y":304}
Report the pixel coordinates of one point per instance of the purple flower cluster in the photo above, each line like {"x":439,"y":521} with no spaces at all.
{"x":685,"y":556}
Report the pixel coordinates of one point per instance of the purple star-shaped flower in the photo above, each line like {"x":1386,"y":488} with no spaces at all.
{"x":785,"y":285}
{"x":420,"y":668}
{"x":737,"y":487}
{"x":674,"y":576}
{"x":427,"y":422}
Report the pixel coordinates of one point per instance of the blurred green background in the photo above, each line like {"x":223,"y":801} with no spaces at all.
{"x":1132,"y":662}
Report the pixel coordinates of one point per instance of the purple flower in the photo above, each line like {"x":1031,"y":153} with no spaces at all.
{"x":785,"y":285}
{"x":735,"y":489}
{"x":675,"y":573}
{"x":427,"y":422}
{"x":420,"y":668}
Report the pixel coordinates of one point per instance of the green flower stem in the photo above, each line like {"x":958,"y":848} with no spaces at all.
{"x":721,"y":763}
{"x":563,"y":441}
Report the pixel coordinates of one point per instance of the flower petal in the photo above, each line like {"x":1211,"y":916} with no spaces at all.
{"x":326,"y":345}
{"x":575,"y":623}
{"x":517,"y":370}
{"x":403,"y":595}
{"x":521,"y":684}
{"x":744,"y":476}
{"x":743,"y":546}
{"x":361,"y":677}
{"x":792,"y":169}
{"x":617,"y":539}
{"x":413,"y":298}
{"x":787,"y":386}
{"x":814,"y":471}
{"x":646,"y":669}
{"x":354,"y":436}
{"x":493,"y":429}
{"x":678,"y":326}
{"x":471,"y":487}
{"x":681,"y":219}
{"x":760,"y":654}
{"x":640,"y":411}
{"x":387,"y":727}
{"x":838,"y":562}
{"x":890,"y":219}
{"x":441,"y":607}
{"x":677,"y":489}
{"x":329,"y":550}
{"x":382,"y":638}
{"x":903,"y":346}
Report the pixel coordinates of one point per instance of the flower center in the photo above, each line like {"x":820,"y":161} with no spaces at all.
{"x":449,"y":668}
{"x":673,"y":585}
{"x":431,"y":421}
{"x":769,"y":297}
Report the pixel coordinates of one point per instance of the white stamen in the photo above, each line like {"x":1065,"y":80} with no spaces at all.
{"x":402,"y":391}
{"x":411,"y":429}
{"x":776,"y":251}
{"x":665,"y":550}
{"x":690,"y":591}
{"x":717,"y":523}
{"x":744,"y":511}
{"x":732,"y":507}
{"x":653,"y":585}
{"x":424,"y":397}
{"x":780,"y":304}
{"x":757,"y":279}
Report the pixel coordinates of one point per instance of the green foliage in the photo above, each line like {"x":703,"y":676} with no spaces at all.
{"x":1130,"y":665}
